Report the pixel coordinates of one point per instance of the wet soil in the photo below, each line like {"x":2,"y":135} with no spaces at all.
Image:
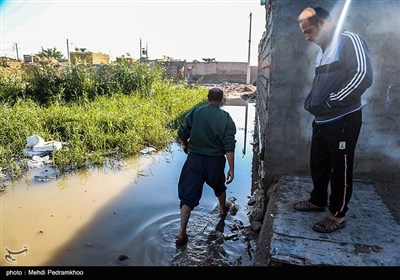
{"x":128,"y":216}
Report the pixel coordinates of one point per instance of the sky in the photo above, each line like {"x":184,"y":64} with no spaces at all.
{"x":181,"y":29}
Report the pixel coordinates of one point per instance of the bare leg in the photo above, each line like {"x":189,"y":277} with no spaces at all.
{"x":185,"y":214}
{"x":222,"y":207}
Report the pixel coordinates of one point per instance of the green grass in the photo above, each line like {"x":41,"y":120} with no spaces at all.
{"x":107,"y":126}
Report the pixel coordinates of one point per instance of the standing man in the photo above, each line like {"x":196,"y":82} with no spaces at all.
{"x":343,"y":73}
{"x":208,"y":136}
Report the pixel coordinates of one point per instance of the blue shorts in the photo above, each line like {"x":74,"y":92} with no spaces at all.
{"x":197,"y":170}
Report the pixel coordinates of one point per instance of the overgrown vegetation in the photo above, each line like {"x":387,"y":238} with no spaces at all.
{"x":51,"y":53}
{"x":99,"y":113}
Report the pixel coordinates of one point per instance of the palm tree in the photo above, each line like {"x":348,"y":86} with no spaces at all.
{"x":51,"y":53}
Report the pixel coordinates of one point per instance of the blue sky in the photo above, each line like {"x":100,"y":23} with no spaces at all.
{"x":181,"y":29}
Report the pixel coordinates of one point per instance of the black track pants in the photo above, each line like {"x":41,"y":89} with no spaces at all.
{"x":331,"y":161}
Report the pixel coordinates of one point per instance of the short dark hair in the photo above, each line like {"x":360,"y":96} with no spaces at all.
{"x":319,"y":13}
{"x":215,"y":94}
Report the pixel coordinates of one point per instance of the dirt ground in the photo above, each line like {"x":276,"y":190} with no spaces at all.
{"x":236,"y":90}
{"x":387,"y":188}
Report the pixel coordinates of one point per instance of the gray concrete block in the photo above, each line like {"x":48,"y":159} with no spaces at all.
{"x":371,"y":236}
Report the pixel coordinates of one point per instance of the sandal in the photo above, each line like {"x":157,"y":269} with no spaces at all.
{"x":305,"y":205}
{"x":328,"y":225}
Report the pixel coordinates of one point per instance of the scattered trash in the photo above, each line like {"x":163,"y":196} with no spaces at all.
{"x":37,"y":161}
{"x":148,"y":150}
{"x":35,"y":145}
{"x":34,"y":140}
{"x":43,"y":178}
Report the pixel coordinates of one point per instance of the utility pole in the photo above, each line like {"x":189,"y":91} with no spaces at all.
{"x":143,"y":52}
{"x":140,"y":51}
{"x":248,"y":57}
{"x":68,"y":56}
{"x":16,"y":48}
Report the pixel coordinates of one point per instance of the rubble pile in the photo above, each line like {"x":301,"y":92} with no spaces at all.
{"x":236,"y":90}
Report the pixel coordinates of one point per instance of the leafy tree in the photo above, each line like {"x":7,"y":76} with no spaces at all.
{"x":51,"y":53}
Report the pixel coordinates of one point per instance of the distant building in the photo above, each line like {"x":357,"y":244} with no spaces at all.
{"x":84,"y":57}
{"x":127,"y":59}
{"x":212,"y":71}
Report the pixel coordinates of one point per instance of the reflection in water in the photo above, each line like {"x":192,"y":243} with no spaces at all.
{"x":246,"y":114}
{"x":128,"y":217}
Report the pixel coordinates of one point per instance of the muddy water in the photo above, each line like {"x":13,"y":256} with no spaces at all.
{"x":129,"y":216}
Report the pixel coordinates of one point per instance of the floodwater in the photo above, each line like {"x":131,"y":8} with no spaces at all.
{"x":129,"y":216}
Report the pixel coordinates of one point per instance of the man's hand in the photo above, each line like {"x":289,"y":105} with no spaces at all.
{"x":229,"y":176}
{"x":185,"y":146}
{"x":230,"y":156}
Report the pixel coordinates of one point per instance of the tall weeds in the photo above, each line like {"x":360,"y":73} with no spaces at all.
{"x":112,"y":111}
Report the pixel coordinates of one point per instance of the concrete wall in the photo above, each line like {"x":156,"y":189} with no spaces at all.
{"x":285,"y":74}
{"x":218,"y":72}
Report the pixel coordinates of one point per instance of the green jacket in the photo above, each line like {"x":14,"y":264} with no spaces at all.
{"x":210,"y":131}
